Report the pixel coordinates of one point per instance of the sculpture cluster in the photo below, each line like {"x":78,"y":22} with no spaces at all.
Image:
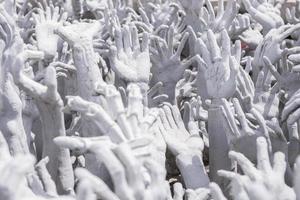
{"x":149,"y":100}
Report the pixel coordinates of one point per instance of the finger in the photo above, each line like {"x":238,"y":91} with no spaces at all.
{"x":288,"y":32}
{"x":240,"y":114}
{"x":139,"y":143}
{"x":214,"y":48}
{"x":294,"y":58}
{"x":268,"y":81}
{"x":263,"y":160}
{"x":272,"y":68}
{"x":41,"y":15}
{"x":51,"y":82}
{"x":36,"y":18}
{"x":19,"y":171}
{"x":225,"y":45}
{"x":195,"y":59}
{"x":126,"y":39}
{"x":182,"y":44}
{"x":190,"y":194}
{"x":237,"y":50}
{"x":248,"y":81}
{"x":63,"y":17}
{"x":63,"y":66}
{"x":55,"y":13}
{"x":99,"y":187}
{"x":118,"y":40}
{"x":247,"y":167}
{"x":43,"y":174}
{"x":262,"y":123}
{"x":144,"y":16}
{"x":230,"y":12}
{"x":135,"y":40}
{"x":116,"y":170}
{"x":164,"y":119}
{"x":33,"y":54}
{"x":169,"y":115}
{"x":178,"y":191}
{"x":202,"y":193}
{"x":170,"y":39}
{"x":230,"y":118}
{"x":69,"y":36}
{"x":248,"y":67}
{"x":294,"y":50}
{"x":159,"y":99}
{"x":296,"y":69}
{"x":72,"y":143}
{"x":259,"y":81}
{"x":159,"y":49}
{"x":293,"y":117}
{"x":205,"y":53}
{"x":177,"y":117}
{"x":187,"y":108}
{"x":233,"y":176}
{"x":210,"y":9}
{"x":289,"y":107}
{"x":84,"y":191}
{"x":48,"y":14}
{"x":145,"y":42}
{"x":152,"y":91}
{"x":132,"y":167}
{"x":193,"y":128}
{"x":216,"y":192}
{"x":288,"y":14}
{"x":220,"y":8}
{"x":192,"y":34}
{"x":234,"y":68}
{"x":279,"y":165}
{"x":114,"y":52}
{"x":115,"y":102}
{"x":156,"y":171}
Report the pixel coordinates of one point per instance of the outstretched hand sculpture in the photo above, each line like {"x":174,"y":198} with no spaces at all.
{"x":149,"y":100}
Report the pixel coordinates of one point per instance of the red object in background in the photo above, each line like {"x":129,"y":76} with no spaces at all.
{"x":244,"y":46}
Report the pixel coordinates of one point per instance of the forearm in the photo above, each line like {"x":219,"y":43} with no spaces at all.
{"x":88,"y":72}
{"x":15,"y":136}
{"x":12,"y":124}
{"x":218,"y":143}
{"x":144,"y":89}
{"x":59,"y":166}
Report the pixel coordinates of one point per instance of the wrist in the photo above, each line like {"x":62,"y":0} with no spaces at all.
{"x":144,"y":87}
{"x":215,"y":103}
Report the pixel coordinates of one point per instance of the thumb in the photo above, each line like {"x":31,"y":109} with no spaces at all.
{"x":193,"y":127}
{"x":51,"y":82}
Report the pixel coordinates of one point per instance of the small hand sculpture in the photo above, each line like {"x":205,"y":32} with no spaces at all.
{"x":244,"y":133}
{"x":218,"y":69}
{"x":165,"y":58}
{"x":186,"y":87}
{"x":198,"y":194}
{"x":46,"y":21}
{"x":130,"y":59}
{"x":251,"y":38}
{"x":264,"y":13}
{"x":262,"y":182}
{"x":272,"y":40}
{"x":186,"y":147}
{"x":128,"y":174}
